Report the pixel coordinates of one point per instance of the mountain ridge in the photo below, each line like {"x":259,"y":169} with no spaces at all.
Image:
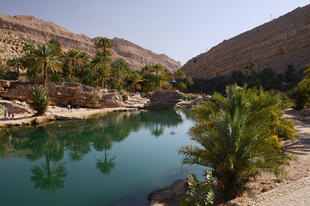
{"x":276,"y":44}
{"x":15,"y":31}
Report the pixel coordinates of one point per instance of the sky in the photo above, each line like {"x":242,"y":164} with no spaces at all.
{"x":181,"y":29}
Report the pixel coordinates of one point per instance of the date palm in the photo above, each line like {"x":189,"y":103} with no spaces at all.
{"x":74,"y":60}
{"x":104,"y":45}
{"x":44,"y":58}
{"x":119,"y":71}
{"x":135,"y":80}
{"x":237,"y":138}
{"x":101,"y":65}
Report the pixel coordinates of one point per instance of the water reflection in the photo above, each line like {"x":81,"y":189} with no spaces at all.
{"x":46,"y":145}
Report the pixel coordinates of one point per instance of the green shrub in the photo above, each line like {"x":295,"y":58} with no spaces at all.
{"x":39,"y":99}
{"x":125,"y":97}
{"x":237,"y":137}
{"x":199,"y":193}
{"x":301,"y":94}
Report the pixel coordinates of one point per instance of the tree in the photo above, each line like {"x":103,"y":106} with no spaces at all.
{"x":39,"y":99}
{"x":238,"y":138}
{"x":104,"y":45}
{"x":135,"y":80}
{"x":15,"y":62}
{"x":102,"y":68}
{"x":180,"y":75}
{"x":43,"y":58}
{"x":119,"y":71}
{"x":301,"y":94}
{"x":74,"y":60}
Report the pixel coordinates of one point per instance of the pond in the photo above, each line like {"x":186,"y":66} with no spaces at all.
{"x":114,"y":160}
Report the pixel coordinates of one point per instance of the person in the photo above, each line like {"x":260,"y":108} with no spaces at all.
{"x":12,"y":115}
{"x":69,"y":106}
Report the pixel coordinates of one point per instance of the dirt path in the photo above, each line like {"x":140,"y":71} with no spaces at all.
{"x":295,"y":190}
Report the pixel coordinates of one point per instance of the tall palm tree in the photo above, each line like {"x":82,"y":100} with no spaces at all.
{"x":44,"y":58}
{"x":104,"y":45}
{"x":135,"y":81}
{"x":101,"y":65}
{"x":119,"y":70}
{"x":74,"y":60}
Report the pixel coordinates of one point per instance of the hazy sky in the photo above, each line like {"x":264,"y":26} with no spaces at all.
{"x":181,"y":29}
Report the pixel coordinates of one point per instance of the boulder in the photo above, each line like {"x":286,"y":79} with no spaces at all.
{"x":16,"y":107}
{"x":165,"y":99}
{"x":169,"y":196}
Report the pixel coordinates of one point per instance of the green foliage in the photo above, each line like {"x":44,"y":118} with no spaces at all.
{"x":200,"y":193}
{"x":301,"y":94}
{"x":238,"y":137}
{"x":39,"y":99}
{"x":43,"y":58}
{"x":47,"y":61}
{"x":2,"y":69}
{"x":104,"y":45}
{"x":252,"y":75}
{"x":125,"y":97}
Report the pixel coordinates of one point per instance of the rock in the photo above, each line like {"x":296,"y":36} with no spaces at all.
{"x":16,"y":107}
{"x":165,"y":99}
{"x":43,"y":119}
{"x":15,"y":31}
{"x":169,"y":196}
{"x":188,"y":104}
{"x":75,"y":94}
{"x":282,"y":42}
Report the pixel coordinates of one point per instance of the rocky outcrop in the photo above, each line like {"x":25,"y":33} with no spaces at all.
{"x":63,"y":94}
{"x":169,"y":196}
{"x":16,"y":107}
{"x":282,"y":42}
{"x":165,"y":99}
{"x":15,"y":31}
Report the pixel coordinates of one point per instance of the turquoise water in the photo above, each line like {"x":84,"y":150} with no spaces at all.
{"x":115,"y":160}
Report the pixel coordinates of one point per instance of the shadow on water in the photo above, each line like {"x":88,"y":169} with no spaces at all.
{"x":49,"y":143}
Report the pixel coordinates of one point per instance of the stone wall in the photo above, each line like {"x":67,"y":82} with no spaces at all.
{"x":282,"y":42}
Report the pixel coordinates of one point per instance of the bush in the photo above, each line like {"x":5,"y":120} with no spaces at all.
{"x":237,"y":137}
{"x":125,"y":97}
{"x":301,"y":94}
{"x":39,"y":99}
{"x":200,"y":193}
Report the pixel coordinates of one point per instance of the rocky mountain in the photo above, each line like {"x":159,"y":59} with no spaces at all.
{"x":277,"y":44}
{"x":15,"y":31}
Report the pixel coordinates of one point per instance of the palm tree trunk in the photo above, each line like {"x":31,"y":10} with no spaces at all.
{"x":45,"y":75}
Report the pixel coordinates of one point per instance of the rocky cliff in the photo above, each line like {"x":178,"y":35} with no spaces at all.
{"x":276,"y":44}
{"x":15,"y":31}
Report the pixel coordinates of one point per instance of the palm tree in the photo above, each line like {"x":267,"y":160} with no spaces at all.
{"x":119,"y":70}
{"x":101,"y":65}
{"x":237,"y":139}
{"x":74,"y":60}
{"x":44,"y":58}
{"x":135,"y":81}
{"x":105,"y":45}
{"x":15,"y":62}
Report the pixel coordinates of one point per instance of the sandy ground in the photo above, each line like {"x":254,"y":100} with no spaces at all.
{"x":59,"y":113}
{"x":295,"y":189}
